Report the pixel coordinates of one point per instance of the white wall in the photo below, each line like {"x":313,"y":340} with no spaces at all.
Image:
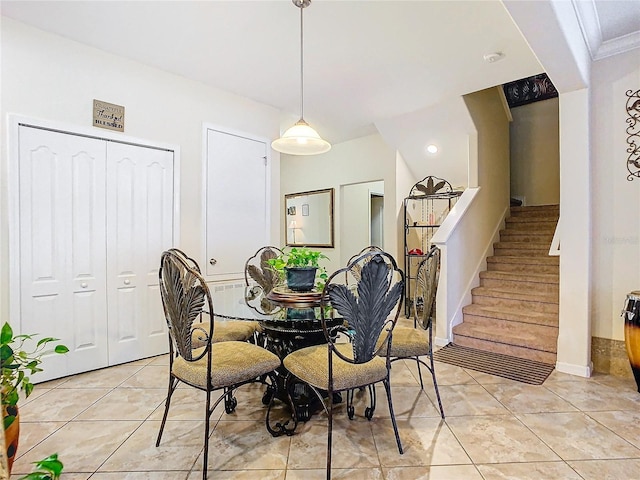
{"x":563,"y":54}
{"x":616,"y":201}
{"x":467,"y":235}
{"x":492,"y":124}
{"x":535,"y":152}
{"x":446,"y":125}
{"x":48,"y":77}
{"x":574,"y":336}
{"x":559,"y":45}
{"x":355,"y":216}
{"x":365,"y":159}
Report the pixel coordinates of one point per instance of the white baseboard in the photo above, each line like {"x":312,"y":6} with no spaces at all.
{"x":578,"y":370}
{"x":441,"y":342}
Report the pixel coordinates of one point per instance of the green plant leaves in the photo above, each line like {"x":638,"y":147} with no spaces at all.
{"x":48,"y":468}
{"x":7,"y":334}
{"x":8,"y":420}
{"x":19,"y":361}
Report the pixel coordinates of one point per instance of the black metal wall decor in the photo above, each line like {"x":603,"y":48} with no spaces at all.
{"x":529,"y":90}
{"x":633,"y":133}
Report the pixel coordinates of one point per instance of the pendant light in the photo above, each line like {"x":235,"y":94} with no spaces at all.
{"x":301,"y":138}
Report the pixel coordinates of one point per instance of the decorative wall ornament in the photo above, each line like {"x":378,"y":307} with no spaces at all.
{"x":633,"y":133}
{"x":529,"y":90}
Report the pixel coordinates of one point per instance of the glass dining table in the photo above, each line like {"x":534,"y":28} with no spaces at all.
{"x":288,"y":321}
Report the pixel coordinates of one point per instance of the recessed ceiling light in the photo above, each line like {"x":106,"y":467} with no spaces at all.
{"x":432,"y":149}
{"x":493,"y":57}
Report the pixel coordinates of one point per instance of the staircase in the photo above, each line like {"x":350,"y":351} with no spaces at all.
{"x":515,"y":308}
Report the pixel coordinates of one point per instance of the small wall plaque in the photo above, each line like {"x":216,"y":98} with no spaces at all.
{"x":108,"y":115}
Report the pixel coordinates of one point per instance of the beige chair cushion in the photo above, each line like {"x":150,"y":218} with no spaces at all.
{"x":408,"y":342}
{"x":311,"y":365}
{"x":224,"y":331}
{"x":232,"y":363}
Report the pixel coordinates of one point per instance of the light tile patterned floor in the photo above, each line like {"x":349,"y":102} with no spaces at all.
{"x":103,"y":425}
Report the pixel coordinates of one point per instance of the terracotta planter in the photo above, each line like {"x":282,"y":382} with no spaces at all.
{"x":632,"y":333}
{"x":11,"y":435}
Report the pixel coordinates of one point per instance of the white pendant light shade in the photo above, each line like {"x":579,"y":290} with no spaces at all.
{"x":301,"y":139}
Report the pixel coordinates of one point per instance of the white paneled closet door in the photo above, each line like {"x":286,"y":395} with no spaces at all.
{"x":236,"y":207}
{"x":140,"y":200}
{"x":62,"y":246}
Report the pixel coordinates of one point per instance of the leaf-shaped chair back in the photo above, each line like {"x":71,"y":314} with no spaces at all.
{"x":356,"y":272}
{"x":184,"y":297}
{"x":371,"y":307}
{"x":424,"y":299}
{"x":190,"y":262}
{"x":257,"y":268}
{"x":263,"y":277}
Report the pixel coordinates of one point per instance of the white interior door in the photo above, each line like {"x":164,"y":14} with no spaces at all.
{"x":236,"y":208}
{"x":62,"y":246}
{"x":139,"y":227}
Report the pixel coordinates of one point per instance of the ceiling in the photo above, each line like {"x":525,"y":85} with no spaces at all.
{"x":609,"y":26}
{"x":365,"y":61}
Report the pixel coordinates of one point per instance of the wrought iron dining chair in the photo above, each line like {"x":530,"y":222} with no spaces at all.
{"x":225,"y":330}
{"x":370,"y":311}
{"x":213,"y":366}
{"x":356,"y":271}
{"x":417,"y":342}
{"x":260,"y":278}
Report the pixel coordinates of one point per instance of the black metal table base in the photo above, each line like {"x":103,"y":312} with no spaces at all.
{"x":284,"y":387}
{"x":301,"y":399}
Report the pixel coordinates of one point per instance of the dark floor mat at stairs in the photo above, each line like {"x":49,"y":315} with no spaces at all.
{"x":513,"y":368}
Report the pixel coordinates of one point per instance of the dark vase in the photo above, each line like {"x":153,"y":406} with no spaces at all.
{"x":301,"y":279}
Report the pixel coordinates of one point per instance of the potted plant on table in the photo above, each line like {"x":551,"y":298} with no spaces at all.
{"x":300,"y":266}
{"x":18,"y":363}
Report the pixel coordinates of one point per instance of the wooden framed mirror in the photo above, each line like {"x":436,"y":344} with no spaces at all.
{"x":309,"y":218}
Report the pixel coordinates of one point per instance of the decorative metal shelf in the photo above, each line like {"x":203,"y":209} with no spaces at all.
{"x":430,"y":199}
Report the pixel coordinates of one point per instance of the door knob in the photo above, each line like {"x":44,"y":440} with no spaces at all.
{"x":213,"y":261}
{"x":84,"y":284}
{"x":127,"y":281}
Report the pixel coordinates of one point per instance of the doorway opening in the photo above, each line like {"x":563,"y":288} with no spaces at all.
{"x":376,"y":219}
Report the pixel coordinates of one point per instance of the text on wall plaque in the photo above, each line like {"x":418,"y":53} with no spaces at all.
{"x":108,"y":115}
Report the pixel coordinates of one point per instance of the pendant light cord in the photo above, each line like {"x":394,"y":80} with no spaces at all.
{"x":301,"y":64}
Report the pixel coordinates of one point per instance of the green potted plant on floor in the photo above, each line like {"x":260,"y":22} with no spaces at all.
{"x":18,"y":363}
{"x":49,"y":468}
{"x":300,"y":266}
